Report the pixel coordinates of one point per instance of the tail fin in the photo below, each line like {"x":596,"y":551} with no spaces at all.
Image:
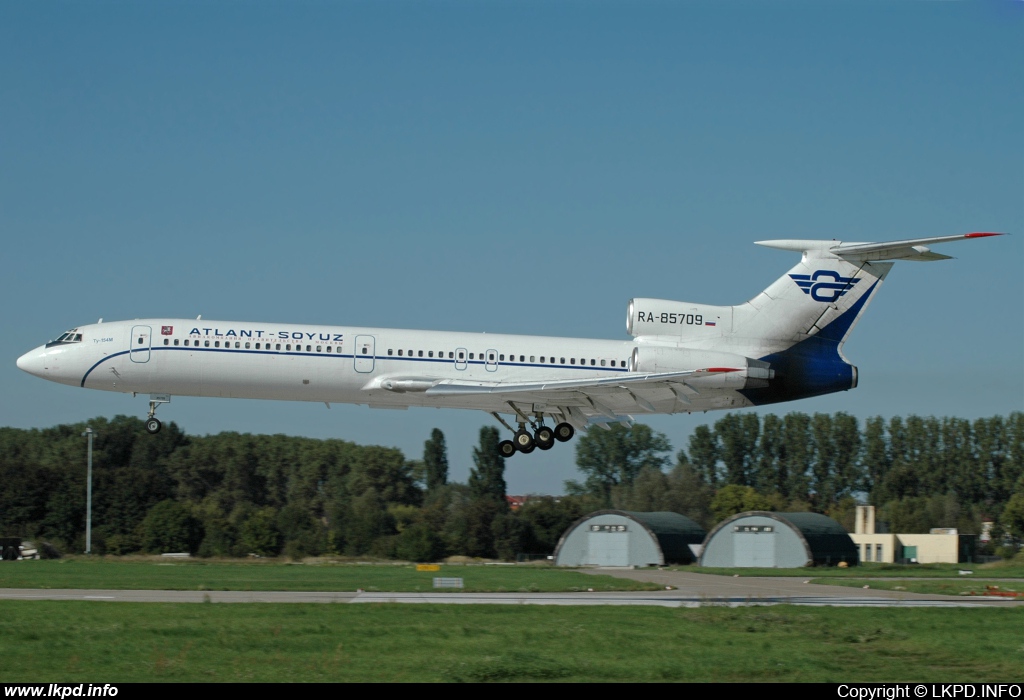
{"x":799,"y":323}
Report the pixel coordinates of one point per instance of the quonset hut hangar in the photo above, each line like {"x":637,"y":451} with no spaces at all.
{"x":778,"y":540}
{"x":627,"y":538}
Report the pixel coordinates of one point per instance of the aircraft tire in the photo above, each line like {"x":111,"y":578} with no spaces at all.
{"x":544,"y":437}
{"x":564,"y":432}
{"x":153,"y":426}
{"x":507,"y":448}
{"x":523,"y":441}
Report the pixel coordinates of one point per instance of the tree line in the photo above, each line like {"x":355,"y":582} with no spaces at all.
{"x":920,"y":472}
{"x":237,"y":494}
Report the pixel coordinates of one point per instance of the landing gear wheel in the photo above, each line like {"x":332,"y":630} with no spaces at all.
{"x":564,"y":432}
{"x":507,"y":448}
{"x":544,"y":437}
{"x":153,"y":426}
{"x":523,"y":441}
{"x":531,"y":449}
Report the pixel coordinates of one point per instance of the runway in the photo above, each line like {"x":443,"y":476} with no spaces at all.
{"x":683,"y":590}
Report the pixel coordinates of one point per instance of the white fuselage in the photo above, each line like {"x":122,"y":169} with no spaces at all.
{"x":310,"y":363}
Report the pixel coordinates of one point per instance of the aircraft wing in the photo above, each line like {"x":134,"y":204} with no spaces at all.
{"x":581,"y":400}
{"x":457,"y":387}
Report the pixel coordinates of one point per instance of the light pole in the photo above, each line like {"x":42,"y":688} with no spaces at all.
{"x":88,"y":494}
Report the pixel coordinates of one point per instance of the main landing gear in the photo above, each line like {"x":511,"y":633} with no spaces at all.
{"x":153,"y":425}
{"x":542,"y":437}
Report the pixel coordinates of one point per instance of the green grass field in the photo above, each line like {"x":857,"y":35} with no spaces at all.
{"x":271,"y":575}
{"x":963,"y":586}
{"x":76,"y":641}
{"x":1011,"y":569}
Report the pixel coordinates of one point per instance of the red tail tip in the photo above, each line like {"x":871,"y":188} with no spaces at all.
{"x":982,"y":235}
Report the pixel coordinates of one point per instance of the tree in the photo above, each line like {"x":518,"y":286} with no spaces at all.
{"x":487,"y":479}
{"x":738,"y":434}
{"x":170,"y":527}
{"x":733,"y":499}
{"x":435,"y":460}
{"x":615,"y":457}
{"x":704,"y":454}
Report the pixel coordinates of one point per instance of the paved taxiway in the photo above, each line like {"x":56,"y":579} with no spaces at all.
{"x":687,"y":590}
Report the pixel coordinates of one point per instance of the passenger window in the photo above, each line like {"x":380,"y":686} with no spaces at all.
{"x":166,"y":341}
{"x":237,"y":344}
{"x":277,"y":346}
{"x":430,"y":353}
{"x":462,"y":356}
{"x":542,"y":359}
{"x":491,"y":357}
{"x":400,"y":353}
{"x":572,"y":360}
{"x":329,"y":349}
{"x":140,"y":341}
{"x":175,"y":341}
{"x":501,"y":358}
{"x":309,"y":349}
{"x":206,"y":343}
{"x":451,"y":354}
{"x":246,"y":345}
{"x":419,"y":353}
{"x":561,"y":361}
{"x":532,"y":360}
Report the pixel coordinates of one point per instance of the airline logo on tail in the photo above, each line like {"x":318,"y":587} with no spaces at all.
{"x":825,"y":285}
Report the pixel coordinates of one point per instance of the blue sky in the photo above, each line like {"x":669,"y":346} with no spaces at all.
{"x":522,"y":167}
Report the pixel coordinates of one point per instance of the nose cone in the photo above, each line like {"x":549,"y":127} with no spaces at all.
{"x":32,"y":362}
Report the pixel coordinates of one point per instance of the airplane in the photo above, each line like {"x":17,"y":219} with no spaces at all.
{"x":784,"y":344}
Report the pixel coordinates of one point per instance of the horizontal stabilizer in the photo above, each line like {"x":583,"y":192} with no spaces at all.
{"x":912,"y":249}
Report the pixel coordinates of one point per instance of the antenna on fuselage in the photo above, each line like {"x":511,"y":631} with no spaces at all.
{"x":100,"y":321}
{"x":199,"y":317}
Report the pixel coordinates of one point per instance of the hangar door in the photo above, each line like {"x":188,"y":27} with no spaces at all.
{"x":605,"y":548}
{"x":754,"y":545}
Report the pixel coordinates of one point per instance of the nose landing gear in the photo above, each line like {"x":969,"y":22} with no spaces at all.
{"x":153,"y":425}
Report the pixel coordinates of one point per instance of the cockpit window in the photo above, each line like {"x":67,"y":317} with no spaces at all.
{"x":71,"y":336}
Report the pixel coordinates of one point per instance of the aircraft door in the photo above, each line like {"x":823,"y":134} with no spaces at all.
{"x":491,"y":360}
{"x":364,"y":353}
{"x":460,"y":358}
{"x":139,"y":343}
